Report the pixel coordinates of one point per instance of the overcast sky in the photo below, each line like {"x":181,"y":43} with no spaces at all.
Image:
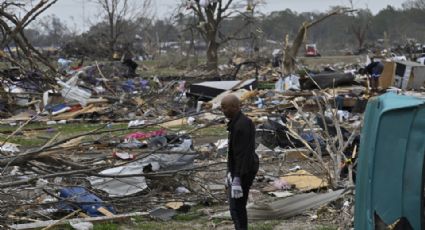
{"x":79,"y":12}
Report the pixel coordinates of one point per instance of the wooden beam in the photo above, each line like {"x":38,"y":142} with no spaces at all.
{"x":42,"y":224}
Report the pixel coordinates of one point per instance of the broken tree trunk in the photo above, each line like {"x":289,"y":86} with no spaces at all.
{"x":13,"y":27}
{"x":291,"y":51}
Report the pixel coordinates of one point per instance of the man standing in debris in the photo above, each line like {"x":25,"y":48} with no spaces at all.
{"x":127,"y":60}
{"x":242,"y":161}
{"x":374,"y":70}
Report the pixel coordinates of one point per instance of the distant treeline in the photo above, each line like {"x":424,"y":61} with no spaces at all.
{"x":349,"y":32}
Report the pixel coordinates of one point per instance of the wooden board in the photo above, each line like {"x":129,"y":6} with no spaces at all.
{"x":182,"y":121}
{"x":105,"y":212}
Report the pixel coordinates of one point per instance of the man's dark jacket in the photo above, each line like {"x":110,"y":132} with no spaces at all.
{"x":242,"y":159}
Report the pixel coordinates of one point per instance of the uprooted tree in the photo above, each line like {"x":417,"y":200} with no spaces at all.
{"x":210,"y":15}
{"x":333,"y":139}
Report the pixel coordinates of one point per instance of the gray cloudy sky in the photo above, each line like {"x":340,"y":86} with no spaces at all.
{"x":78,"y":13}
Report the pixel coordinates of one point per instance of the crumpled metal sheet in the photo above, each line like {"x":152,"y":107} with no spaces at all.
{"x":292,"y":206}
{"x":125,"y":186}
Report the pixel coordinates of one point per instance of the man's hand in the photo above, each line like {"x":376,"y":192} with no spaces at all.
{"x":236,"y":188}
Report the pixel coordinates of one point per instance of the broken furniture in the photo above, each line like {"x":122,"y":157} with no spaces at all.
{"x":404,"y":75}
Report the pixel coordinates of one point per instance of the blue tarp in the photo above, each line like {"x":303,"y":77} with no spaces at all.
{"x":79,"y":197}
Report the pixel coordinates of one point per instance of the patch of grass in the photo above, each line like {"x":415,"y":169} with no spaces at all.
{"x":76,"y":128}
{"x":164,"y":66}
{"x":28,"y":126}
{"x":149,"y":225}
{"x":214,"y":130}
{"x":219,"y":221}
{"x":66,"y":226}
{"x":187,"y":216}
{"x":327,"y":228}
{"x":157,"y":225}
{"x":169,"y":71}
{"x":24,"y":141}
{"x":173,"y":64}
{"x":41,"y":133}
{"x":33,"y":137}
{"x":264,"y":225}
{"x":37,"y":134}
{"x":105,"y":226}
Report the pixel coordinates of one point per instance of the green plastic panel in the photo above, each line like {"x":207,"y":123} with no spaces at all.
{"x":391,"y":161}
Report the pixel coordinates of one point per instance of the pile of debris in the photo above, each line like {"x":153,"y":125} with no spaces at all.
{"x":307,"y":136}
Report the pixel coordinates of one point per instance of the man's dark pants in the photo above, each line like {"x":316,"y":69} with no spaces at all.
{"x":238,"y":206}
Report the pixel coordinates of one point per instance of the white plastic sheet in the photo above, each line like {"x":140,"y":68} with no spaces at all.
{"x":204,"y":3}
{"x":72,"y":92}
{"x":292,"y":82}
{"x":9,"y":148}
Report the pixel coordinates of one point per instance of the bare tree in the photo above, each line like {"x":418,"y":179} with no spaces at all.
{"x":210,"y":14}
{"x":361,"y":24}
{"x":118,"y":13}
{"x":54,"y":30}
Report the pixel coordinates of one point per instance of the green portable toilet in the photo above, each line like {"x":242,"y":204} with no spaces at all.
{"x":390,"y":171}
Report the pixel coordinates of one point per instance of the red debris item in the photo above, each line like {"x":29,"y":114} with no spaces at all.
{"x":142,"y":135}
{"x":75,"y":108}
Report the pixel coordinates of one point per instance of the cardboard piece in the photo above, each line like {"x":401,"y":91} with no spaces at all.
{"x":305,"y":181}
{"x":174,"y":205}
{"x":387,"y":77}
